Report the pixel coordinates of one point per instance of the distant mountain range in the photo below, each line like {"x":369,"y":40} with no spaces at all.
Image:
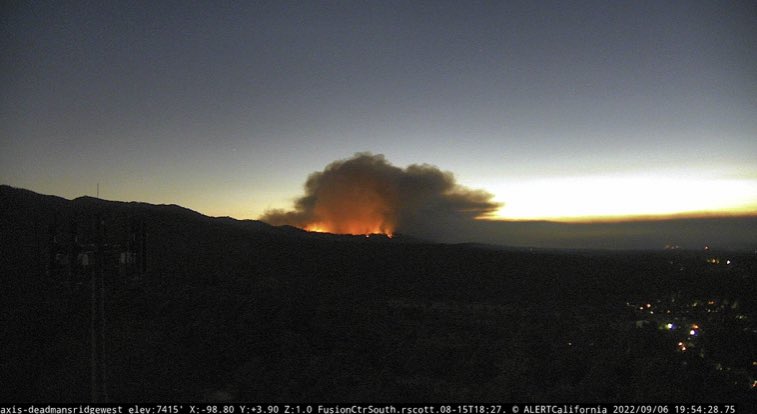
{"x":21,"y":209}
{"x":727,"y":233}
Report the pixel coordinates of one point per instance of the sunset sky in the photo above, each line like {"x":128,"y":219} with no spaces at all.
{"x":561,"y":110}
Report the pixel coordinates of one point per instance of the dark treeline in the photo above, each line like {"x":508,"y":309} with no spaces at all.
{"x":238,"y":310}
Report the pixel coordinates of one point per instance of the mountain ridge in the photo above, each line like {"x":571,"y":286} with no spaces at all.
{"x":738,"y":233}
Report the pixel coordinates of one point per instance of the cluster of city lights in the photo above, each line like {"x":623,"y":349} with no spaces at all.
{"x":687,"y":332}
{"x":663,"y":319}
{"x":717,"y":260}
{"x":687,"y":342}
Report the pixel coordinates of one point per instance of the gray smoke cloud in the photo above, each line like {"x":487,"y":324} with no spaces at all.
{"x":366,"y":194}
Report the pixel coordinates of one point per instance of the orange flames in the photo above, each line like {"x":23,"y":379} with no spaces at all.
{"x":366,"y":195}
{"x":355,"y":228}
{"x":362,"y":218}
{"x":362,"y":204}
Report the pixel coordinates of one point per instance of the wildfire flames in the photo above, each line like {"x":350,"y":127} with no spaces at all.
{"x":353,"y":207}
{"x":356,"y":228}
{"x":366,"y":195}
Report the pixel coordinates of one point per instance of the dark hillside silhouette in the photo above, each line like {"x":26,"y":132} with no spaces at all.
{"x":200,"y":308}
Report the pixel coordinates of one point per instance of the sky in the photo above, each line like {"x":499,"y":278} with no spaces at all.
{"x":560,"y":110}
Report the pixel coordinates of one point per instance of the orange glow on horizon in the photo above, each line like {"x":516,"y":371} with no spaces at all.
{"x":621,"y":198}
{"x":631,"y":217}
{"x":316,"y":228}
{"x":353,"y":228}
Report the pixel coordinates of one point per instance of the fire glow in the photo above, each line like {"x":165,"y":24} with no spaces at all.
{"x":354,"y":229}
{"x":362,"y":204}
{"x":361,"y":218}
{"x":365,"y":212}
{"x":366,"y":195}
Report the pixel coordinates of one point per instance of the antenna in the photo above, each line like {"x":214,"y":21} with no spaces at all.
{"x":98,"y":190}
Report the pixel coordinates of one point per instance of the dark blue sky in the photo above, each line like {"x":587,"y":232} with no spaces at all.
{"x":226,"y":107}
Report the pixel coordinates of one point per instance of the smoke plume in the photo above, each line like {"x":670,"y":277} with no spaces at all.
{"x":366,"y":194}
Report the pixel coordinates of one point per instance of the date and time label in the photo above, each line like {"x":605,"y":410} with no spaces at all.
{"x":241,"y":408}
{"x":452,"y":409}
